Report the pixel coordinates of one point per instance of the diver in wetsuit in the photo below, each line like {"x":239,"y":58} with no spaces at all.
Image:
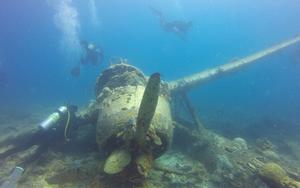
{"x":52,"y":130}
{"x":180,"y":28}
{"x":91,"y":55}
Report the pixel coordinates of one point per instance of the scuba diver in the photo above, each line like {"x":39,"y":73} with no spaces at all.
{"x":91,"y":55}
{"x":53,"y":129}
{"x":179,"y":28}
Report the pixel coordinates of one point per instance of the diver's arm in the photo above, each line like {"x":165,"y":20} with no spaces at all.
{"x":84,"y":44}
{"x":88,"y":115}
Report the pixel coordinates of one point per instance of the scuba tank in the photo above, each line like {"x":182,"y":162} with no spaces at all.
{"x":53,"y":118}
{"x":58,"y":121}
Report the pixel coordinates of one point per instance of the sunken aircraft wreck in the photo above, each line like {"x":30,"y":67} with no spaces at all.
{"x":131,"y":119}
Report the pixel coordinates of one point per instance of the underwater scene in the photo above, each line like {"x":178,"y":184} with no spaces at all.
{"x":149,"y":94}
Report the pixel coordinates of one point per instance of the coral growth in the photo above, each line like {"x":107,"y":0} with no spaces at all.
{"x":276,"y":177}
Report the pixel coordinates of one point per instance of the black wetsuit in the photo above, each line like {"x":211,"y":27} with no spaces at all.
{"x":42,"y":138}
{"x":179,"y":28}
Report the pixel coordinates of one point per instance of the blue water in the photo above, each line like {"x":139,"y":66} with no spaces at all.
{"x":36,"y":57}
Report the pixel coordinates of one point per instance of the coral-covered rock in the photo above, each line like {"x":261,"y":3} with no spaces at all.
{"x":276,"y":177}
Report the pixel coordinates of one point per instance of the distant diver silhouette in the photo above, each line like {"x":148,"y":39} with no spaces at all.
{"x":91,"y":55}
{"x":178,"y":27}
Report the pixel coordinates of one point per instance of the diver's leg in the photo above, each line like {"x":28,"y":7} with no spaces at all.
{"x":22,"y":143}
{"x":32,"y":158}
{"x":17,"y":148}
{"x":11,"y":151}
